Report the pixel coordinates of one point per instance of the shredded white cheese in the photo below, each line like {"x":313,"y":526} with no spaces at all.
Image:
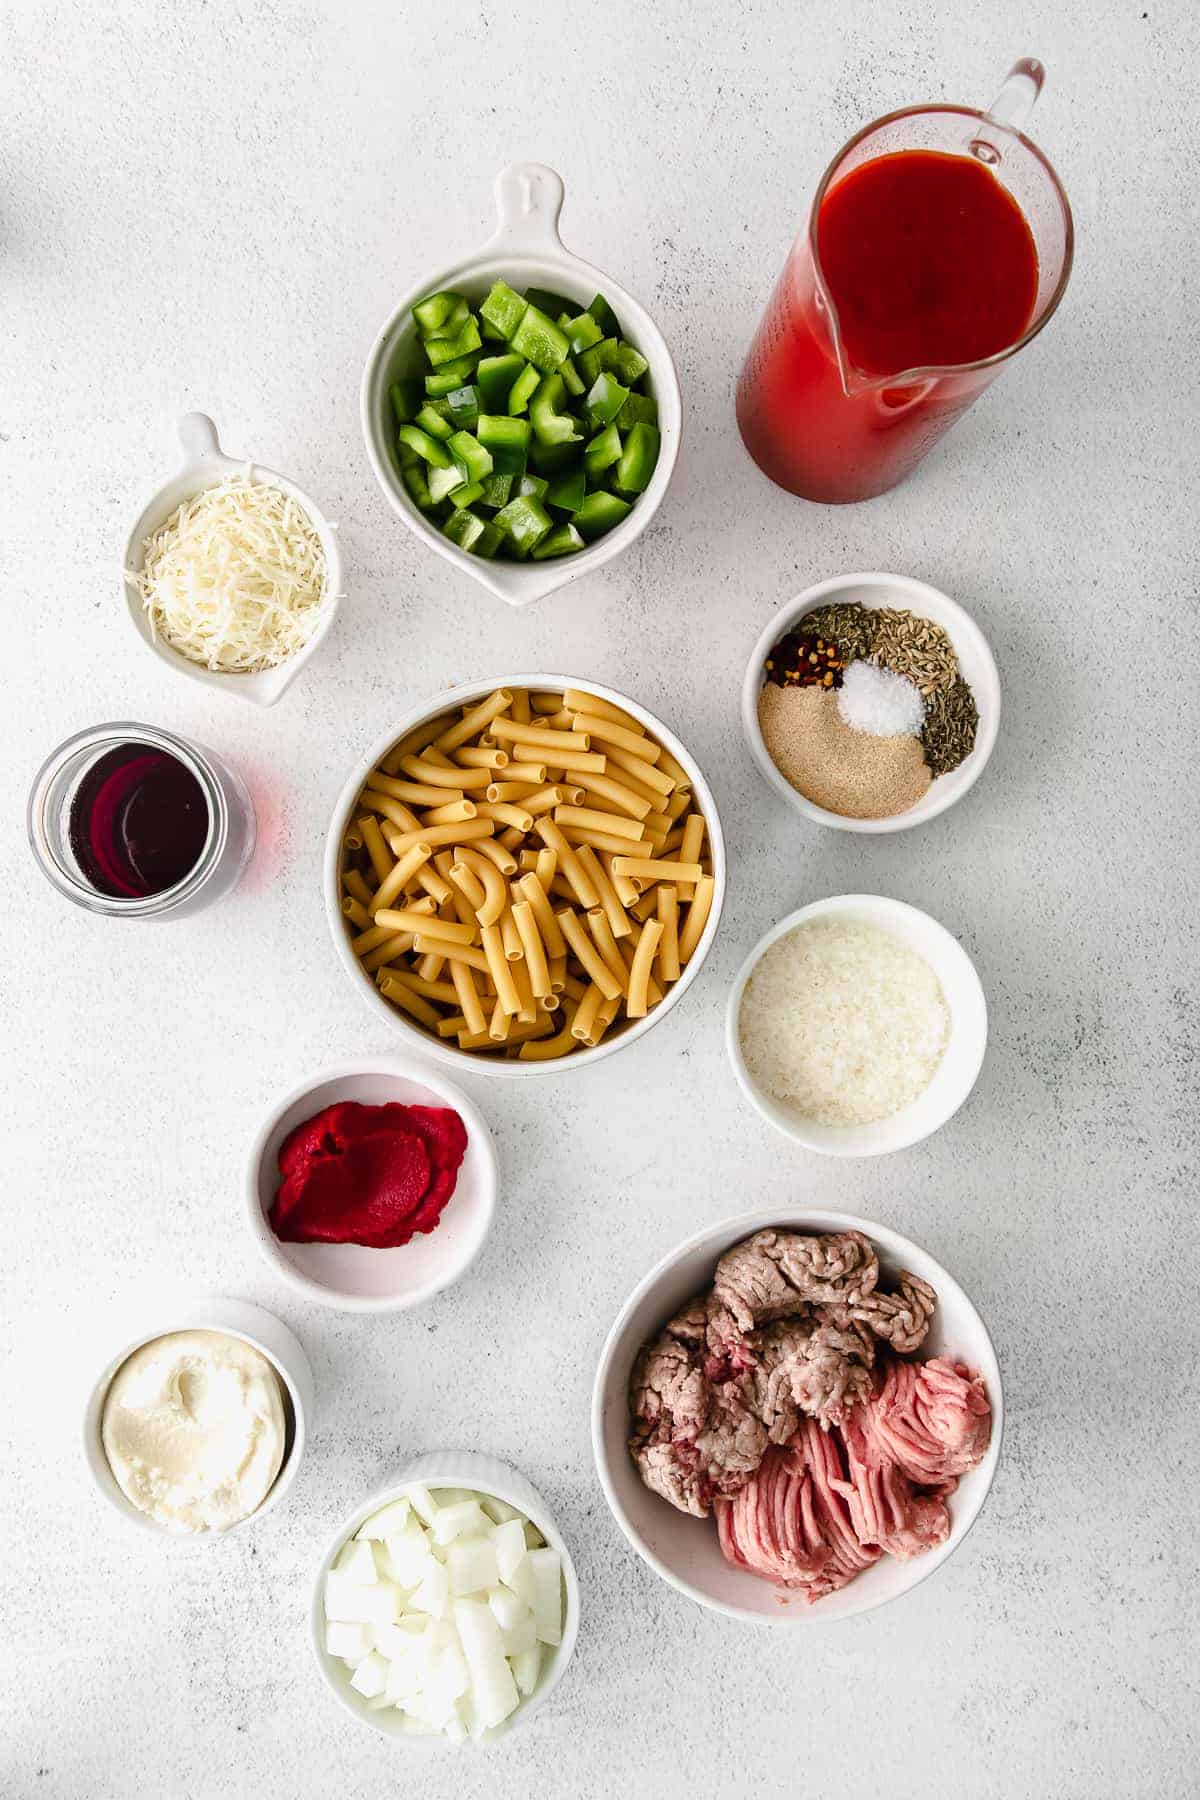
{"x":843,"y":1023}
{"x":235,"y":578}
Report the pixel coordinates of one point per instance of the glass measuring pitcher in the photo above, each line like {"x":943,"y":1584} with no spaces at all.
{"x":818,"y":406}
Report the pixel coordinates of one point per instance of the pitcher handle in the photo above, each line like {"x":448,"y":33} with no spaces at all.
{"x":1010,"y":109}
{"x":529,"y":199}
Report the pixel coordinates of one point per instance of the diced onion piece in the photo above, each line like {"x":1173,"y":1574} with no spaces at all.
{"x":357,"y":1563}
{"x":506,"y":1608}
{"x":342,"y":1638}
{"x":422,"y":1502}
{"x":508,"y":1541}
{"x":547,"y":1594}
{"x":472,"y":1566}
{"x":465,"y":1518}
{"x":390,"y":1518}
{"x":351,"y":1601}
{"x":433,"y":1593}
{"x":526,"y":1668}
{"x":494,"y":1693}
{"x":499,"y":1510}
{"x":408,"y":1552}
{"x":370,"y":1677}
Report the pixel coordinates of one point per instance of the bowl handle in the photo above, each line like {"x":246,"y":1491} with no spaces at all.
{"x":529,"y":198}
{"x":198,"y":435}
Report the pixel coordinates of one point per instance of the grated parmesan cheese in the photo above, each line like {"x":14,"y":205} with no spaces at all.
{"x":235,"y":578}
{"x":843,"y":1023}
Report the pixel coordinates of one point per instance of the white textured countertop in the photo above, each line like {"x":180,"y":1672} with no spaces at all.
{"x":215,"y":207}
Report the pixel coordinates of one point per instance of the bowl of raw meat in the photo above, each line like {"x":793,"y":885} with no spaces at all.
{"x":797,"y":1416}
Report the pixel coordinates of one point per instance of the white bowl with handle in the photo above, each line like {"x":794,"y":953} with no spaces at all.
{"x":685,"y":1551}
{"x":526,"y":251}
{"x":205,"y":465}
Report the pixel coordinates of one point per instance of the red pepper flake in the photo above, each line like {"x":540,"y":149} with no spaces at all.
{"x":799,"y":660}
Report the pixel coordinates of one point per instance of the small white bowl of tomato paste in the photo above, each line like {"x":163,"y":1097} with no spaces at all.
{"x":372,"y":1185}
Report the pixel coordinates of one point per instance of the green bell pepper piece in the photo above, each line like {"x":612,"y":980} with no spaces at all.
{"x":497,"y":490}
{"x":467,"y":494}
{"x":503,"y":308}
{"x":471,"y":456}
{"x":432,"y":312}
{"x":549,"y":302}
{"x":446,"y":350}
{"x":507,"y":440}
{"x":572,"y":380}
{"x":433,"y":420}
{"x":639,"y":409}
{"x":638,"y":459}
{"x":524,"y":522}
{"x":533,"y":484}
{"x":593,"y":362}
{"x":463,"y":406}
{"x":555,"y":459}
{"x":598,"y":514}
{"x":443,"y":482}
{"x":495,"y":377}
{"x":564,"y":540}
{"x":451,"y":375}
{"x":406,"y":397}
{"x":463,"y":529}
{"x":489,"y":539}
{"x":452,"y":324}
{"x":413,"y":477}
{"x":426,"y":447}
{"x":550,"y":425}
{"x":605,"y":317}
{"x":539,"y":340}
{"x":566,"y":492}
{"x":523,"y":389}
{"x":604,"y":401}
{"x":628,"y":364}
{"x":582,"y":333}
{"x":603,"y":451}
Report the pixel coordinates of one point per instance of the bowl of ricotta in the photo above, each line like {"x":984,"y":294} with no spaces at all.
{"x":197,"y":1427}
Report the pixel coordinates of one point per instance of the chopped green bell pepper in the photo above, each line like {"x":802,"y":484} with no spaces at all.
{"x":497,"y":490}
{"x":572,"y":380}
{"x":639,"y":409}
{"x":551,"y":426}
{"x":426,"y":447}
{"x":463,"y":529}
{"x":549,"y":302}
{"x":603,"y":451}
{"x":503,"y":308}
{"x":566,"y":492}
{"x":559,"y":542}
{"x":638,"y":459}
{"x":463,"y":406}
{"x":432,"y":312}
{"x":592,"y":363}
{"x":628,"y":364}
{"x":467,"y":494}
{"x":533,"y":484}
{"x":605,"y":317}
{"x":554,"y":459}
{"x":539,"y":340}
{"x":445,"y":350}
{"x":471,"y":455}
{"x":604,"y":401}
{"x":495,"y":377}
{"x":489,"y":539}
{"x":598,"y":514}
{"x":582,"y":333}
{"x":444,"y":482}
{"x":433,"y":420}
{"x":524,"y":522}
{"x":406,"y":398}
{"x":508,"y":441}
{"x":413,"y":477}
{"x":452,"y":324}
{"x":523,"y":389}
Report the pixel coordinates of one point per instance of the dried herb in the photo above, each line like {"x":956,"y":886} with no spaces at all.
{"x":847,"y":624}
{"x":912,"y":646}
{"x":802,"y":660}
{"x":951,"y":721}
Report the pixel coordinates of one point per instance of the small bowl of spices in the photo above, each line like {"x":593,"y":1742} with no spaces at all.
{"x":871,"y":702}
{"x":857,"y":1025}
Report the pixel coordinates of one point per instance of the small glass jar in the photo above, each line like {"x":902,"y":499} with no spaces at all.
{"x":227,"y":847}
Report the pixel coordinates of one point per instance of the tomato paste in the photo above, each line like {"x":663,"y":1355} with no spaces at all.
{"x":372,"y":1175}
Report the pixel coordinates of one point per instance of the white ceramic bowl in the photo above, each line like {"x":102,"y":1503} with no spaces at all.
{"x":449,"y":1469}
{"x":420,"y":1041}
{"x":526,"y":251}
{"x":350,"y":1276}
{"x":238,"y":1319}
{"x":975,"y":660}
{"x":207,"y":464}
{"x":684,"y":1550}
{"x":955,"y":1075}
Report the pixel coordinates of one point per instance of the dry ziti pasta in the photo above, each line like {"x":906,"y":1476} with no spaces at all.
{"x":526,"y":873}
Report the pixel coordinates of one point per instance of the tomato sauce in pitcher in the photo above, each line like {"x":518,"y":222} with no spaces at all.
{"x":930,"y":264}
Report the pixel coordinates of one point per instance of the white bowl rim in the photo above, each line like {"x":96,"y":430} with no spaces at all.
{"x":545,"y":1523}
{"x":918,"y":593}
{"x":206,"y":464}
{"x":400,"y":1069}
{"x":210,"y":1312}
{"x":529,"y":198}
{"x":464,"y":1060}
{"x":733,"y":1229}
{"x":831,"y":905}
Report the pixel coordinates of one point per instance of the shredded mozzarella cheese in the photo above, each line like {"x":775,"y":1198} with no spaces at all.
{"x":235,"y":578}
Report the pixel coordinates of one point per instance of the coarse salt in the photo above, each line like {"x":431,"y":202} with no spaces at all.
{"x":880,"y":702}
{"x":843,"y":1023}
